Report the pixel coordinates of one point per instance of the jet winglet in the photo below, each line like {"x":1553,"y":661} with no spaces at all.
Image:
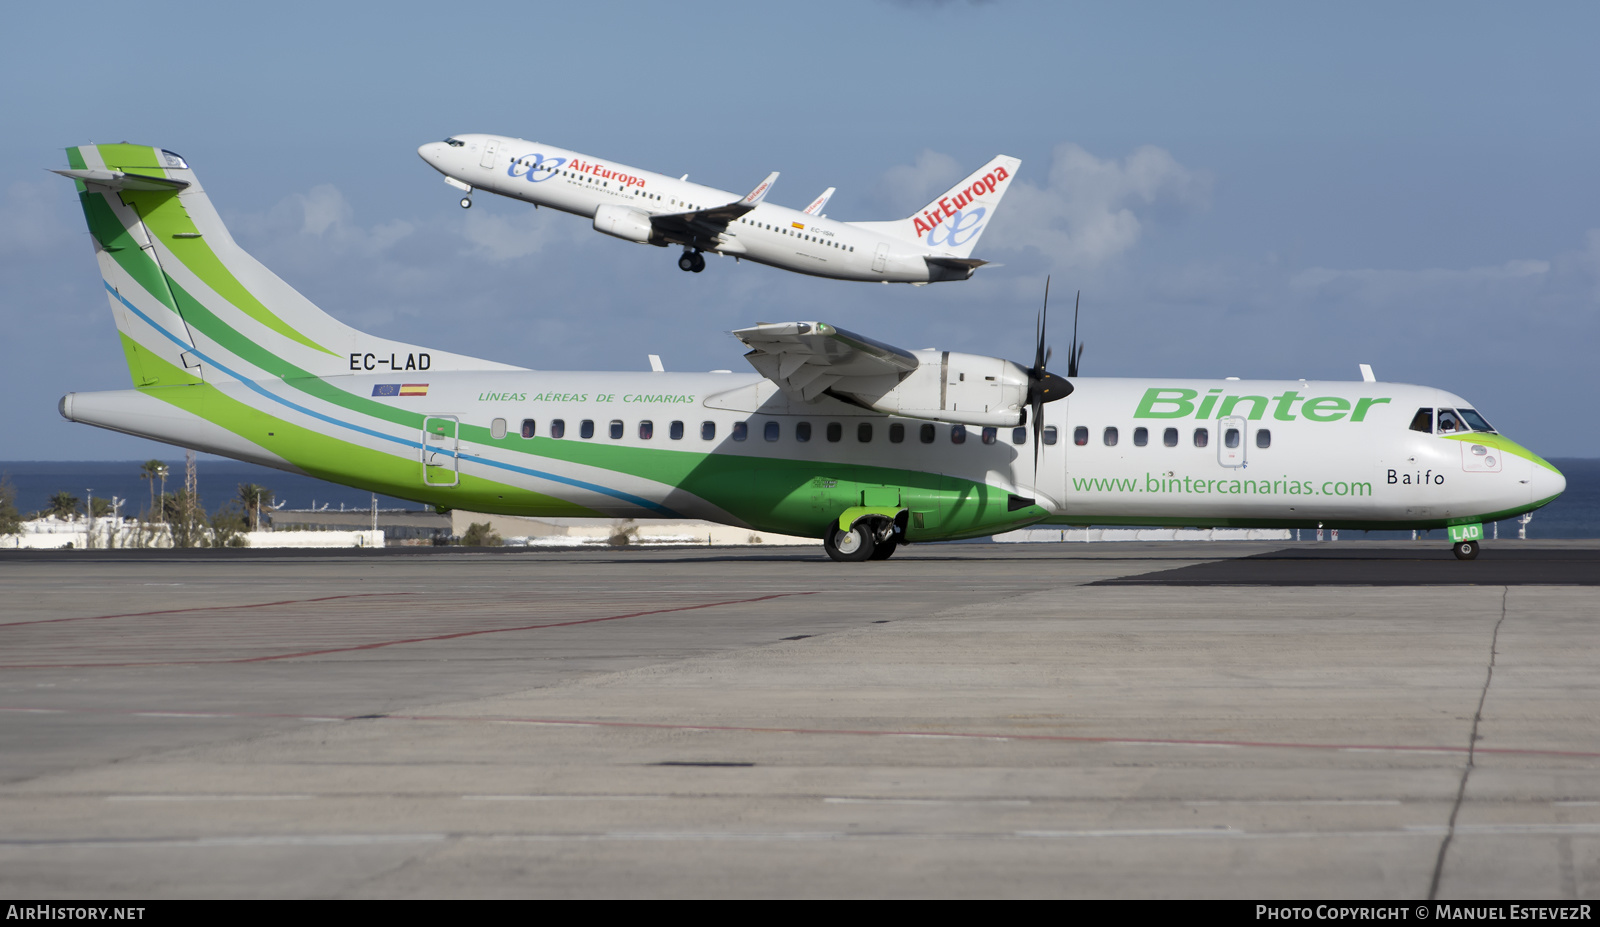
{"x":815,"y":208}
{"x":759,"y":193}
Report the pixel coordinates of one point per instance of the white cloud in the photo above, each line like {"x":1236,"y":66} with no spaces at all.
{"x":917,"y":183}
{"x":1089,"y":209}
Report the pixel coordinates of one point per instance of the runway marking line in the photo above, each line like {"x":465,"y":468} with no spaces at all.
{"x":841,"y":732}
{"x":377,"y":644}
{"x":204,"y":608}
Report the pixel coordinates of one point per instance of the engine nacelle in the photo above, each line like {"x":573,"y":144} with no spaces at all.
{"x":948,"y":386}
{"x":623,"y":222}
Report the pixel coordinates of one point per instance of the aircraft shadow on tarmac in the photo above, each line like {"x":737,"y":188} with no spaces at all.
{"x":1366,"y":566}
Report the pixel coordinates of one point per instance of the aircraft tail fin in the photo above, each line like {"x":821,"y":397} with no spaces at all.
{"x":191,"y":305}
{"x":953,"y":222}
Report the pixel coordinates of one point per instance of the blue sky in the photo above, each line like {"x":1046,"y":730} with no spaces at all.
{"x":1242,"y":189}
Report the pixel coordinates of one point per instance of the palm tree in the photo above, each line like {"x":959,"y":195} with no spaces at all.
{"x":150,"y":471}
{"x":252,"y":497}
{"x":63,"y":505}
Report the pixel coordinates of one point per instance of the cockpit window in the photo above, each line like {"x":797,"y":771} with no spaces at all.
{"x":455,"y":142}
{"x":1423,"y":421}
{"x":1450,"y":423}
{"x":1475,"y":420}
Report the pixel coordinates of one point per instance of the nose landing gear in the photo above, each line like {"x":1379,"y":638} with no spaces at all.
{"x":466,"y":202}
{"x":1466,"y":550}
{"x":692,"y":261}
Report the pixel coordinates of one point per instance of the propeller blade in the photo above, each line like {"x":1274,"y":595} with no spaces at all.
{"x":1074,"y":352}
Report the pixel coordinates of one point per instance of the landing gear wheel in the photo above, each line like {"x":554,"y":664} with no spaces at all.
{"x":699,"y":262}
{"x":885,"y":549}
{"x":466,"y":202}
{"x":851,"y":546}
{"x":686,"y":263}
{"x":1467,"y":550}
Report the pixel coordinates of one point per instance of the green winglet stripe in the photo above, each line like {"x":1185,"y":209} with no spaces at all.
{"x":121,"y":157}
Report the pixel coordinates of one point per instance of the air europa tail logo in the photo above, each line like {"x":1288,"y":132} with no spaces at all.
{"x":946,"y":215}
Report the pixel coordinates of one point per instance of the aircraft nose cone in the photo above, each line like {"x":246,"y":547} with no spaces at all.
{"x":431,"y":151}
{"x":1546,"y":483}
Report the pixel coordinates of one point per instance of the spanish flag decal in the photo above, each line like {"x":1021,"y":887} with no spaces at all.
{"x":399,"y":389}
{"x":798,"y":225}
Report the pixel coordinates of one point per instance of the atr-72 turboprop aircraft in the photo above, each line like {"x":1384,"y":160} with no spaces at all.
{"x":931,"y":245}
{"x":835,"y":434}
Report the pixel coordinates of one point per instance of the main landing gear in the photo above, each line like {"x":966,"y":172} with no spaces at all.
{"x":1466,"y":550}
{"x":861,"y":542}
{"x":692,"y":261}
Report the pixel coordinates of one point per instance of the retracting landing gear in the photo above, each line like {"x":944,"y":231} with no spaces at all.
{"x":466,"y":202}
{"x":692,"y":261}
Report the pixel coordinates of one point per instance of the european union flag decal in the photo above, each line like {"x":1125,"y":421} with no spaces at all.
{"x":386,"y":389}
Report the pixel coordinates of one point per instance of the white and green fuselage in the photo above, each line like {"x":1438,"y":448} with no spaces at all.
{"x":227,"y":358}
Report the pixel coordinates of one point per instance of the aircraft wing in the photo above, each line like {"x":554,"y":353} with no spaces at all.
{"x":710,"y":222}
{"x":806,"y":358}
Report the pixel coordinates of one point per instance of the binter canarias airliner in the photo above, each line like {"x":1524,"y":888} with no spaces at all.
{"x":832,"y":434}
{"x":933,"y":244}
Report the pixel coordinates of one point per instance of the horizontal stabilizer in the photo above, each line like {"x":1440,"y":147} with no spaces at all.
{"x":120,"y":180}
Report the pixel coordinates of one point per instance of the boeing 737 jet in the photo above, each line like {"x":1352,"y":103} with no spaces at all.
{"x":933,"y":244}
{"x":833,"y":434}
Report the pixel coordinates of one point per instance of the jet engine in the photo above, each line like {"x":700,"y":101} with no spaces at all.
{"x":623,"y":222}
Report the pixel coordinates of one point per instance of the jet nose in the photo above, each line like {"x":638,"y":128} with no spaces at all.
{"x":431,"y":151}
{"x":1545,"y":482}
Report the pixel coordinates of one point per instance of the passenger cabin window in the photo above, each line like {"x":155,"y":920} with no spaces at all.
{"x":1263,"y":437}
{"x":1141,"y":437}
{"x":927,"y":433}
{"x":835,"y":432}
{"x":802,"y":432}
{"x":1080,"y":435}
{"x":1170,"y":437}
{"x":1230,"y":437}
{"x":770,"y":431}
{"x":1110,"y":436}
{"x":1019,"y":435}
{"x":1423,"y":421}
{"x":741,"y":430}
{"x":529,"y":427}
{"x":497,"y":429}
{"x":989,"y":434}
{"x":1202,"y":437}
{"x":897,"y":433}
{"x":958,"y":434}
{"x":586,"y":428}
{"x":864,"y":432}
{"x":647,"y":430}
{"x":675,"y":431}
{"x":708,"y":431}
{"x":616,"y":429}
{"x":558,"y":428}
{"x":1050,"y":434}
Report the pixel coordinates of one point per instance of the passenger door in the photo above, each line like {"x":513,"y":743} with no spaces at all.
{"x":1231,"y":434}
{"x":441,"y":450}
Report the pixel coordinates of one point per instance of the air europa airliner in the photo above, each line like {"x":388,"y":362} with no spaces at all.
{"x":931,"y":245}
{"x":833,"y":434}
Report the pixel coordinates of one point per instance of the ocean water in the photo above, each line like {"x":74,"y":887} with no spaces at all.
{"x":1575,"y":515}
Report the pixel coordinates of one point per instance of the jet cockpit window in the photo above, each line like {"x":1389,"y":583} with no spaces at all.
{"x":1475,"y":420}
{"x":1423,"y":421}
{"x":1449,"y":422}
{"x":455,"y":143}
